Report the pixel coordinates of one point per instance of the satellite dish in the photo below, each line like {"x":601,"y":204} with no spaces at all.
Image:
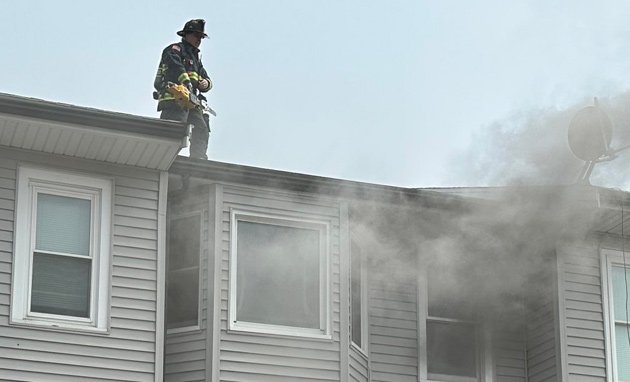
{"x":590,"y":133}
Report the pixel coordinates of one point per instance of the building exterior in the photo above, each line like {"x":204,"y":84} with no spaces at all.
{"x":121,"y":262}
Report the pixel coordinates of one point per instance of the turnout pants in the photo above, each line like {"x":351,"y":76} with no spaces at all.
{"x":200,"y":131}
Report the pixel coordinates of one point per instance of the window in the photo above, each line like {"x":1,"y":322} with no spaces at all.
{"x":62,"y":249}
{"x":182,"y":306}
{"x":358,"y":297}
{"x":451,"y":346}
{"x":618,"y":291}
{"x":278,"y":275}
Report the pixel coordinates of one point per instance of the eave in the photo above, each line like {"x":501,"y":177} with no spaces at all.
{"x":50,"y":127}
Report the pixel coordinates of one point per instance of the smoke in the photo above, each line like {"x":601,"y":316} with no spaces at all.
{"x":531,"y":148}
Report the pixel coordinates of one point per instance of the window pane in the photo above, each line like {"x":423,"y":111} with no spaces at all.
{"x":182,"y":307}
{"x":61,"y":285}
{"x":278,"y":270}
{"x":183,"y":244}
{"x":623,"y":352}
{"x":183,"y":298}
{"x":355,"y":267}
{"x":619,"y":296}
{"x":451,"y":349}
{"x":448,"y":296}
{"x":63,"y":224}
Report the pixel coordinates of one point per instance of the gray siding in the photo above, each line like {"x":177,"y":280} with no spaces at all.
{"x":582,"y":311}
{"x":393,"y":326}
{"x":541,"y":343}
{"x":510,"y":364}
{"x":185,"y":353}
{"x":542,"y":325}
{"x":359,"y":367}
{"x":247,"y":357}
{"x":127,"y":353}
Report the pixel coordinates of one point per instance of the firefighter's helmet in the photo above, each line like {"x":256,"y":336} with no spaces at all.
{"x":192,"y":26}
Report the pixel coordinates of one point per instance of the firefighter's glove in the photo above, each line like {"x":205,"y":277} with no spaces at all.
{"x":204,"y":85}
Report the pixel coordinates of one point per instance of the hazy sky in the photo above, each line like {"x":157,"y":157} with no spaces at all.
{"x":382,"y":91}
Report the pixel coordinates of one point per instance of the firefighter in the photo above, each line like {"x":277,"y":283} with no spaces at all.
{"x":181,"y":64}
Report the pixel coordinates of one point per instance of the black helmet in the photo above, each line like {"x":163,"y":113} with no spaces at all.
{"x":193,"y":26}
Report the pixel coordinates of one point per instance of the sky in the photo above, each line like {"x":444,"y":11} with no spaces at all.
{"x":412,"y":93}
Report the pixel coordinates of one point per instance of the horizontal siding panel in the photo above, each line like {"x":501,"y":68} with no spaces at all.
{"x":278,"y":371}
{"x":282,"y":350}
{"x":51,"y":366}
{"x":189,"y":376}
{"x":282,"y":361}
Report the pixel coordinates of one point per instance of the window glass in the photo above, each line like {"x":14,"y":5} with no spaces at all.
{"x":183,"y":272}
{"x":278,"y":275}
{"x":619,"y":285}
{"x":63,"y":224}
{"x":623,"y":352}
{"x":61,"y":285}
{"x":451,"y":349}
{"x":355,"y":267}
{"x":447,"y":296}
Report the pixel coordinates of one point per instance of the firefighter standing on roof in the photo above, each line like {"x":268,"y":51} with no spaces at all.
{"x":181,"y":64}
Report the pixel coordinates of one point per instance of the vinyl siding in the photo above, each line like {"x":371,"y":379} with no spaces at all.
{"x":185,"y":353}
{"x":582,"y":311}
{"x":542,"y":326}
{"x":392,"y":312}
{"x":127,"y":352}
{"x":508,"y":347}
{"x":249,"y":357}
{"x":359,"y":368}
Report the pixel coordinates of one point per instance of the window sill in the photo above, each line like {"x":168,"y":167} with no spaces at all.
{"x":58,"y":326}
{"x":248,"y":328}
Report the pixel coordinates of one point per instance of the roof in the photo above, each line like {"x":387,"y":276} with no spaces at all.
{"x":35,"y":124}
{"x":208,"y":170}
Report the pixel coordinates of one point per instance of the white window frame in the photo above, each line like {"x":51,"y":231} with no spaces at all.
{"x":482,"y":344}
{"x":363,"y":349}
{"x":611,"y":258}
{"x":197,"y":326}
{"x":323,"y":227}
{"x":30,"y":182}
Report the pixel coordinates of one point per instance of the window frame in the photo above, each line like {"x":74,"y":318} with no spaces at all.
{"x":610,"y":258}
{"x":482,"y":345}
{"x":32,"y":181}
{"x":323,"y":227}
{"x":197,"y":326}
{"x":363,"y":277}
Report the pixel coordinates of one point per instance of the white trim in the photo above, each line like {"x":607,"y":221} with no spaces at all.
{"x":610,"y":258}
{"x":30,"y":182}
{"x":363,"y":276}
{"x":323,"y":227}
{"x":215,"y":251}
{"x":344,"y":292}
{"x":196,"y":327}
{"x":160,"y":311}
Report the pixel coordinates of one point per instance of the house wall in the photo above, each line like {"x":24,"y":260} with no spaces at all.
{"x":542,"y":325}
{"x":359,"y":366}
{"x":582,"y":333}
{"x":249,"y":357}
{"x":128,"y":351}
{"x":393,"y":326}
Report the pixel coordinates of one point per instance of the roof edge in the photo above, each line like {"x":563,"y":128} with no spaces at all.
{"x":84,"y":116}
{"x":257,"y":176}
